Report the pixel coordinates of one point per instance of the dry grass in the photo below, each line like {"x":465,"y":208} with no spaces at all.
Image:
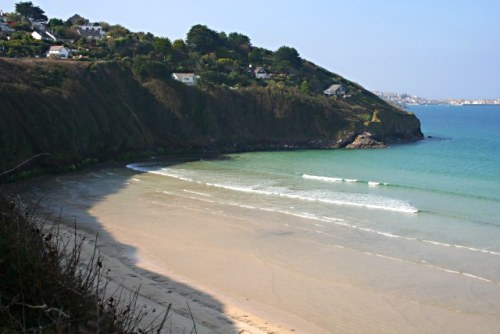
{"x":46,"y":287}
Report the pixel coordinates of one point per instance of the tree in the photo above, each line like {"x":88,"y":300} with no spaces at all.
{"x":255,"y":56}
{"x":118,"y":31}
{"x":202,"y":39}
{"x":55,"y":23}
{"x":162,"y":45}
{"x":179,"y":45}
{"x":287,"y":56}
{"x":30,"y":11}
{"x":237,"y":39}
{"x":179,"y":51}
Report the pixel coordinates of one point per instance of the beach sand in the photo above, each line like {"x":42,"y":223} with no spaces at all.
{"x":247,"y":271}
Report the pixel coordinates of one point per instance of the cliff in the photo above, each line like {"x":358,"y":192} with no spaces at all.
{"x":86,"y":111}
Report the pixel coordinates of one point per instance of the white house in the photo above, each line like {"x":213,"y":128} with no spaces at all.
{"x":58,"y":51}
{"x":260,"y":73}
{"x":91,"y":31}
{"x":186,"y":78}
{"x":335,"y":89}
{"x":43,"y":34}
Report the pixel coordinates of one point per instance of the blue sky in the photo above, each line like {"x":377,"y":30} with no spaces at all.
{"x":430,"y":48}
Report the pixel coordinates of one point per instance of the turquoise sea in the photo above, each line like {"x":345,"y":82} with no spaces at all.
{"x":435,"y":203}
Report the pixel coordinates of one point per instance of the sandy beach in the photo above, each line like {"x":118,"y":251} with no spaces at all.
{"x":247,"y":271}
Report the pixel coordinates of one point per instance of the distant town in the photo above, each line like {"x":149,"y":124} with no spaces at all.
{"x":404,"y":99}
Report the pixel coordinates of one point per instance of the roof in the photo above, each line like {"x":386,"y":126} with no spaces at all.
{"x":92,"y":33}
{"x":44,"y":34}
{"x":259,"y":70}
{"x":56,"y":48}
{"x":183,"y":75}
{"x":334,"y":87}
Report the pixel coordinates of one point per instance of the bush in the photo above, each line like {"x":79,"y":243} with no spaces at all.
{"x":45,"y":287}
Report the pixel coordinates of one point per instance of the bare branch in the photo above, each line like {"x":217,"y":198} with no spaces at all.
{"x":23,"y":163}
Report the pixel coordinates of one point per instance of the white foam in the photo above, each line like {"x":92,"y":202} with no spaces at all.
{"x":322,"y":178}
{"x":472,"y":249}
{"x":339,"y":180}
{"x":138,"y":168}
{"x":345,"y":199}
{"x":350,"y":180}
{"x":357,"y":200}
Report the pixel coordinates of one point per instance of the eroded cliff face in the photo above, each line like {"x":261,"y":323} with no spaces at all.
{"x":81,"y":111}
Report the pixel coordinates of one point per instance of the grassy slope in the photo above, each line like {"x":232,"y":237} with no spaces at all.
{"x":95,"y":111}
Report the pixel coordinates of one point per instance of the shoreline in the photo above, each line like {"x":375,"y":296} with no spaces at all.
{"x":275,"y":280}
{"x":156,"y":291}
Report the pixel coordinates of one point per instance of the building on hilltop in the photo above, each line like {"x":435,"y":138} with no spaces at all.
{"x":4,"y":24}
{"x":59,"y":52}
{"x":90,"y":31}
{"x":186,"y":78}
{"x":43,"y":35}
{"x":5,"y":28}
{"x":260,"y":73}
{"x":335,"y":90}
{"x":38,"y":25}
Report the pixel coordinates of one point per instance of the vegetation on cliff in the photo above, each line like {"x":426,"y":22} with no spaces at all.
{"x":78,"y":111}
{"x":119,"y":98}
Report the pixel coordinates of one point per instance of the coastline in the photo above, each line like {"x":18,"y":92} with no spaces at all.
{"x":264,"y":285}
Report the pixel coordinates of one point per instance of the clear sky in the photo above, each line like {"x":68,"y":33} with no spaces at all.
{"x":430,"y":48}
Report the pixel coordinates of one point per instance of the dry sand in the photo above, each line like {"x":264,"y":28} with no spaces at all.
{"x":242,"y":271}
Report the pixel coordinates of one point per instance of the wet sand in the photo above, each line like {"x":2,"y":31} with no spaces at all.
{"x":248,"y":271}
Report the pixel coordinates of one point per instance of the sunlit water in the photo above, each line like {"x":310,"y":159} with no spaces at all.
{"x":434,"y":203}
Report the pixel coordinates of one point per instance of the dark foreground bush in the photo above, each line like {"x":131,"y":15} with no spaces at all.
{"x":46,"y":288}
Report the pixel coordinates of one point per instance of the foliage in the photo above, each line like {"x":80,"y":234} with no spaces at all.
{"x":53,"y":22}
{"x":236,"y":40}
{"x":220,"y":58}
{"x":47,"y":287}
{"x":286,"y":57}
{"x":202,"y":39}
{"x":162,"y":45}
{"x":145,"y":68}
{"x":20,"y":46}
{"x":117,"y":31}
{"x":304,"y":87}
{"x":30,"y":11}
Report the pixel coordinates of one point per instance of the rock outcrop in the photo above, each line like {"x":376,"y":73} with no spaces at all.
{"x":366,"y":140}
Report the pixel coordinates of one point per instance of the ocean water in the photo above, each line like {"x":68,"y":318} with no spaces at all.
{"x":435,"y":203}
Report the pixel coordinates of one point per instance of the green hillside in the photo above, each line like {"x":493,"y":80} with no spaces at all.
{"x":116,"y":97}
{"x":98,"y":110}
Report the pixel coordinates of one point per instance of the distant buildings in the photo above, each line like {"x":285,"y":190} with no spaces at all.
{"x":43,"y":35}
{"x":404,"y":99}
{"x":59,"y":52}
{"x":91,"y":31}
{"x":335,"y":90}
{"x":260,"y":73}
{"x":4,"y":24}
{"x":186,"y":78}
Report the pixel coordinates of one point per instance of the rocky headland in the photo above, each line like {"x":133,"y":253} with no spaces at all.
{"x":84,"y":112}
